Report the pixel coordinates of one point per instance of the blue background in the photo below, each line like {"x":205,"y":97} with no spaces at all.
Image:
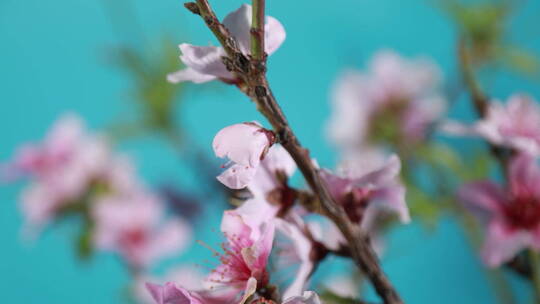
{"x":52,"y":58}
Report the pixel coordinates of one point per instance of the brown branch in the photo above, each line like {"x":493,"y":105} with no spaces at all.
{"x":253,"y":74}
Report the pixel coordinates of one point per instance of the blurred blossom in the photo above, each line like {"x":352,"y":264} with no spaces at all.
{"x":245,"y":145}
{"x":394,"y":89}
{"x":511,"y":213}
{"x":75,"y":172}
{"x":367,"y":196}
{"x":515,"y":125}
{"x":204,"y":62}
{"x":133,"y":226}
{"x":62,"y":169}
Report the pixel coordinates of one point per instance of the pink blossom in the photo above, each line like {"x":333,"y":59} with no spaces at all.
{"x":404,"y":89}
{"x":301,"y":253}
{"x":511,"y":214}
{"x":204,"y":62}
{"x":62,"y":169}
{"x":271,"y":193}
{"x":366,"y":196}
{"x":133,"y":226}
{"x":172,"y":293}
{"x":515,"y":125}
{"x":57,"y":148}
{"x":245,"y":145}
{"x":243,"y":265}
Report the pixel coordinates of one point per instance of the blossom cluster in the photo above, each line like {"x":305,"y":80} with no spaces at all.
{"x":75,"y":172}
{"x":510,"y":212}
{"x":257,"y":162}
{"x":382,"y":123}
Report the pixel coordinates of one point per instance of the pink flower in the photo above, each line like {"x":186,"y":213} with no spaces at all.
{"x":365,"y":196}
{"x":59,"y":145}
{"x":204,"y":62}
{"x":271,"y":194}
{"x":172,"y":293}
{"x":302,"y":253}
{"x":393,"y":89}
{"x":62,"y":169}
{"x":245,"y":145}
{"x":511,"y":214}
{"x":515,"y":125}
{"x":133,"y":226}
{"x":243,"y":265}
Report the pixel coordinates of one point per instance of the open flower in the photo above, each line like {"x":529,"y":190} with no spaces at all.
{"x":245,"y":145}
{"x":204,"y":62}
{"x":243,"y":265}
{"x":511,"y":214}
{"x":367,"y":196}
{"x":515,"y":125}
{"x":365,"y":105}
{"x":271,"y":194}
{"x":242,"y":270}
{"x":133,"y":226}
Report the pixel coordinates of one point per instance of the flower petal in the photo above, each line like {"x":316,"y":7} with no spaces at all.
{"x":205,"y":60}
{"x":309,"y":297}
{"x":237,"y":176}
{"x":242,"y":143}
{"x":274,"y":33}
{"x":189,"y":74}
{"x":264,"y":181}
{"x":503,"y":244}
{"x":239,"y":24}
{"x":484,"y":198}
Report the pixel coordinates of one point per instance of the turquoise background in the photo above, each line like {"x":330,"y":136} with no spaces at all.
{"x":53,"y":59}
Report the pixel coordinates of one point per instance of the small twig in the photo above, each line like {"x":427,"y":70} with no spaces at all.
{"x":252,"y":72}
{"x":257,"y":30}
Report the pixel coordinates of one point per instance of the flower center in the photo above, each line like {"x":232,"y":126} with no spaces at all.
{"x":133,"y":238}
{"x":523,"y":212}
{"x":384,"y":124}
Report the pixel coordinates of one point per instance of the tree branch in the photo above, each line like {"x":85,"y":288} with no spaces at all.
{"x":253,"y":74}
